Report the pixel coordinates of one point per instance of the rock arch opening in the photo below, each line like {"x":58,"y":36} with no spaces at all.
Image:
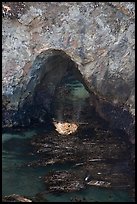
{"x":56,"y":91}
{"x":61,"y":89}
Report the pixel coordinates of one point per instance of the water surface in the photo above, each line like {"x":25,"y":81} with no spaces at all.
{"x":16,"y":179}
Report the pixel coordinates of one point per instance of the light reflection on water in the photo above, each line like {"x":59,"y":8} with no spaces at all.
{"x":26,"y":181}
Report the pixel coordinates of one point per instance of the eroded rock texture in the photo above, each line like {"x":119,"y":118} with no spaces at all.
{"x":42,"y":39}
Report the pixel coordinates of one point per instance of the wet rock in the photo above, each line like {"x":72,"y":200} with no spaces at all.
{"x":63,"y":182}
{"x":76,"y":179}
{"x":96,"y":157}
{"x":99,"y":183}
{"x":79,"y":147}
{"x":15,"y":198}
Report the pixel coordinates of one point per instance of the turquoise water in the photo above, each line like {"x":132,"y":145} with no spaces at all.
{"x":27,"y":181}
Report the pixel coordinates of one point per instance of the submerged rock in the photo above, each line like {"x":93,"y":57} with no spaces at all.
{"x":63,"y":181}
{"x":99,"y":183}
{"x":96,"y":157}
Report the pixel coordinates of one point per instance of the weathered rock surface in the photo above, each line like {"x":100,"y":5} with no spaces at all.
{"x":39,"y":37}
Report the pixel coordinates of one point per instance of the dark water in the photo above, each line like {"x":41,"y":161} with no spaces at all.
{"x":70,"y":103}
{"x":26,"y":181}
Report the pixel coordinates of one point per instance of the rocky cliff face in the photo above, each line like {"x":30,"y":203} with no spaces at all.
{"x":99,"y":38}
